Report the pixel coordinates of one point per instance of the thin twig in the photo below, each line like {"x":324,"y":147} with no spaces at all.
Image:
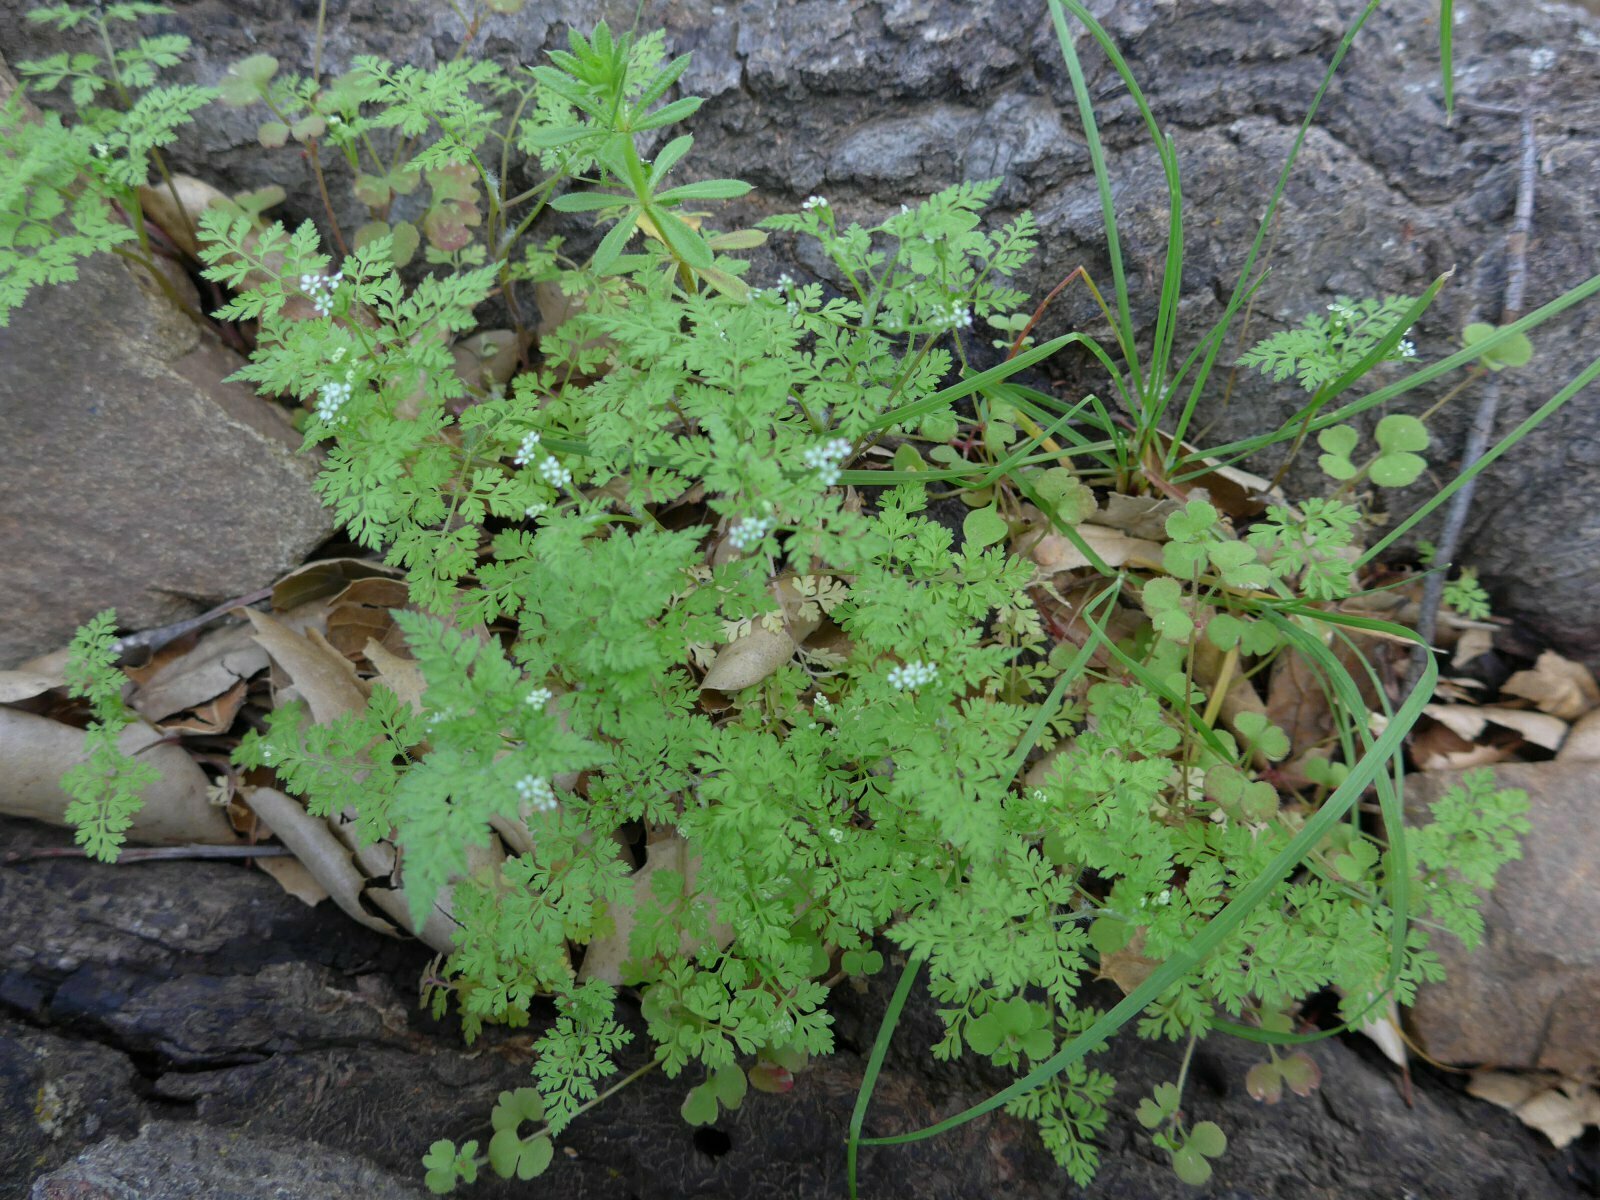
{"x":1483,"y":419}
{"x":148,"y":853}
{"x":154,"y":639}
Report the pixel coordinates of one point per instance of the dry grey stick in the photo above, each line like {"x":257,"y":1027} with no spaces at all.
{"x":1455,"y":517}
{"x":154,"y":639}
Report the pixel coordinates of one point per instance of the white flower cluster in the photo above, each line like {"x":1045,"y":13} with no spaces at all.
{"x":535,"y":510}
{"x":554,"y":473}
{"x":537,"y":793}
{"x":747,"y":532}
{"x":1407,"y":348}
{"x":955,"y":315}
{"x":826,"y":458}
{"x":332,"y":398}
{"x":815,"y":202}
{"x":1342,"y":312}
{"x":321,"y":289}
{"x":525,"y":451}
{"x":539,"y":697}
{"x":912,"y":675}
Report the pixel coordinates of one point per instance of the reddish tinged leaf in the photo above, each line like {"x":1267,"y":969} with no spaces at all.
{"x":771,"y":1078}
{"x":1264,"y":1082}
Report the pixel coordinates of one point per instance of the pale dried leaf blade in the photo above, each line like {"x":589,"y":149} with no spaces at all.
{"x":1467,"y":721}
{"x":1504,"y":1088}
{"x":1557,"y":686}
{"x":605,"y":955}
{"x":1583,"y":742}
{"x":295,"y":878}
{"x":314,"y":844}
{"x":35,"y":752}
{"x":323,"y":676}
{"x":217,"y":662}
{"x":1057,"y":552}
{"x":401,"y":676}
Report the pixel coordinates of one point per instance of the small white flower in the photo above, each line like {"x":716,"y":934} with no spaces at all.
{"x":815,"y":202}
{"x":836,"y":834}
{"x":525,"y":451}
{"x":331,"y":399}
{"x":747,"y":532}
{"x":554,"y":473}
{"x":1407,"y":348}
{"x":785,"y":281}
{"x":535,"y":510}
{"x":912,"y":675}
{"x":822,"y":702}
{"x":826,"y":459}
{"x":101,"y":150}
{"x":537,"y":793}
{"x":539,"y":697}
{"x":954,"y":315}
{"x":1165,"y":897}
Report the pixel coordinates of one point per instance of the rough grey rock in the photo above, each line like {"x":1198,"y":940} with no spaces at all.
{"x":1526,"y":997}
{"x":185,"y":1161}
{"x":877,"y":101}
{"x":200,"y":992}
{"x":131,"y":475}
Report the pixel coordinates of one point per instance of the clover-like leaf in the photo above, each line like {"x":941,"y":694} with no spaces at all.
{"x":983,"y":527}
{"x":1262,"y":734}
{"x":1301,"y":1073}
{"x":729,"y":1085}
{"x":1398,"y":436}
{"x":1515,"y":351}
{"x":272,"y":134}
{"x":512,"y":1108}
{"x":700,"y":1105}
{"x":1206,"y":1140}
{"x":1240,"y":565}
{"x":1163,"y":600}
{"x":246,"y":80}
{"x":523,"y":1157}
{"x":1192,"y":522}
{"x":1339,"y":441}
{"x":446,"y":1165}
{"x":1161,"y":1104}
{"x":1067,"y":495}
{"x":1264,"y":1082}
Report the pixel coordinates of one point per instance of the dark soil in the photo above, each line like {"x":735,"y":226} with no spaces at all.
{"x":199,"y":992}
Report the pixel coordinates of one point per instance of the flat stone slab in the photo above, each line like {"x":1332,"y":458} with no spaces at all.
{"x":1528,"y":997}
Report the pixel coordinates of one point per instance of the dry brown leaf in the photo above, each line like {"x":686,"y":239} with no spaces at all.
{"x":1472,"y":643}
{"x":1384,"y":1031}
{"x":1559,"y":1109}
{"x":1583,"y":742}
{"x":1468,"y":721}
{"x":760,"y":651}
{"x":604,"y":958}
{"x":295,"y":878}
{"x":1297,"y":705}
{"x":486,"y":358}
{"x":323,"y":677}
{"x":1556,"y":685}
{"x":36,"y":751}
{"x":401,"y":676}
{"x":214,"y":716}
{"x":213,"y":666}
{"x":1128,"y":967}
{"x":1137,"y":516}
{"x":179,"y":224}
{"x":324,"y":579}
{"x":1439,"y":748}
{"x":25,"y":682}
{"x":324,"y":855}
{"x":362,"y":612}
{"x":1055,"y":552}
